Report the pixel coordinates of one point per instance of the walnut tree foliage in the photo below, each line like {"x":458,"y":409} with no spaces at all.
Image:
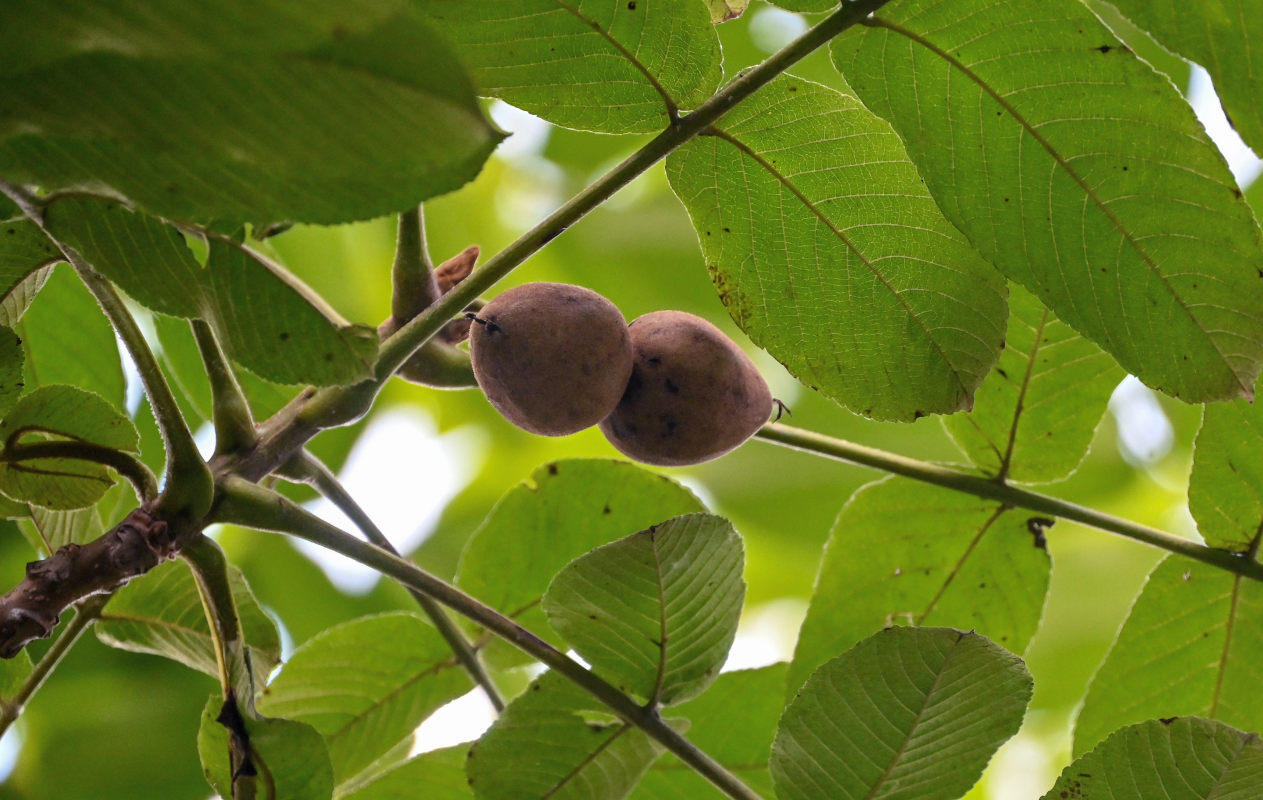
{"x":947,"y":229}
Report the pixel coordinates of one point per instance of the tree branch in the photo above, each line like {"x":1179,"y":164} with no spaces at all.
{"x":992,"y":489}
{"x":244,"y":503}
{"x":312,"y":470}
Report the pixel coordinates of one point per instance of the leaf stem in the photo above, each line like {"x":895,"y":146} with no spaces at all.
{"x":86,"y":613}
{"x":315,"y":472}
{"x":230,"y":411}
{"x":210,"y":569}
{"x":991,"y":489}
{"x":244,"y":503}
{"x":309,"y":413}
{"x":414,"y":287}
{"x":139,"y":475}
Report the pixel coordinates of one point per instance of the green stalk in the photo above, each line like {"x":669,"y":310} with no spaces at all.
{"x":297,"y":423}
{"x":998,"y":490}
{"x":139,"y":475}
{"x":230,"y":411}
{"x":412,"y":276}
{"x":244,"y":503}
{"x":325,"y":482}
{"x":210,"y":569}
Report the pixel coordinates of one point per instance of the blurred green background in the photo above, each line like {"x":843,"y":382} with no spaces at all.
{"x":118,"y":725}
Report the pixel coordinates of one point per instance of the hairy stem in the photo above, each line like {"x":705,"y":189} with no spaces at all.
{"x":992,"y":489}
{"x":414,"y":286}
{"x":244,"y":503}
{"x":210,"y":569}
{"x":85,"y":614}
{"x":136,"y":473}
{"x":325,"y":482}
{"x":234,"y":424}
{"x":311,"y":412}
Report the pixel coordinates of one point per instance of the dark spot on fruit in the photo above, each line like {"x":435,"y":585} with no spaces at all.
{"x":552,"y":469}
{"x":671,"y":387}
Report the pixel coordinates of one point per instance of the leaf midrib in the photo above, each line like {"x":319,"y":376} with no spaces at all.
{"x":878,"y":22}
{"x":671,"y":108}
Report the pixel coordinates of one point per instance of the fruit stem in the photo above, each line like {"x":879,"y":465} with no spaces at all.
{"x":1004,"y":492}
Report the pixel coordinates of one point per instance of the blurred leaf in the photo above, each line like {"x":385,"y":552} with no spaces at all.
{"x":806,"y":5}
{"x":655,"y":612}
{"x":561,"y":512}
{"x":1034,"y":417}
{"x":603,"y":66}
{"x":63,"y":411}
{"x":275,"y":327}
{"x":555,"y":741}
{"x":365,"y":685}
{"x":161,"y":613}
{"x":1190,"y":646}
{"x":13,"y":673}
{"x":1225,"y":489}
{"x":908,"y":712}
{"x":48,"y":530}
{"x":1223,"y":36}
{"x":1119,"y":214}
{"x":290,"y":756}
{"x":724,"y":10}
{"x":441,"y":772}
{"x":83,"y":352}
{"x":905,"y":553}
{"x":1175,"y":759}
{"x":350,"y":113}
{"x":11,"y":360}
{"x":827,"y":250}
{"x":144,"y":256}
{"x":733,"y":723}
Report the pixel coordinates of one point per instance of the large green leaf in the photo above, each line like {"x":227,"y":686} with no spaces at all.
{"x":257,"y":112}
{"x":604,"y":65}
{"x":289,"y":757}
{"x":655,"y":612}
{"x":733,"y":723}
{"x":276,"y":327}
{"x":561,"y":512}
{"x":1034,"y":417}
{"x":1190,"y":647}
{"x":555,"y":741}
{"x":161,"y":613}
{"x":1081,"y":174}
{"x":13,"y":673}
{"x":1225,"y":489}
{"x":20,"y":296}
{"x":1170,"y":759}
{"x":84,"y":353}
{"x":441,"y":772}
{"x":144,"y":256}
{"x":1224,"y":37}
{"x":908,"y":712}
{"x":828,"y":251}
{"x":70,"y":413}
{"x":11,"y":361}
{"x":24,"y":249}
{"x":365,"y":685}
{"x":904,"y":553}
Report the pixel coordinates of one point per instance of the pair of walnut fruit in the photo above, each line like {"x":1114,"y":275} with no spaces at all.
{"x":668,"y":389}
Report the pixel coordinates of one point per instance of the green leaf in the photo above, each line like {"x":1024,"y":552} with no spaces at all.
{"x":1034,"y":417}
{"x":365,"y":685}
{"x":1117,"y":211}
{"x":147,"y":258}
{"x":908,"y":712}
{"x":13,"y":673}
{"x":1173,"y":759}
{"x":827,"y":250}
{"x":1223,"y":36}
{"x":24,"y":249}
{"x":84,"y":353}
{"x":655,"y":612}
{"x":1190,"y":647}
{"x":11,"y":360}
{"x":561,"y":512}
{"x":71,"y":413}
{"x":603,"y":65}
{"x":161,"y":613}
{"x":806,"y":5}
{"x":48,"y":530}
{"x":733,"y":723}
{"x":289,"y":756}
{"x":274,"y":326}
{"x":441,"y":772}
{"x":239,"y":113}
{"x":724,"y":10}
{"x":1225,"y":489}
{"x":21,"y":295}
{"x":555,"y":741}
{"x":904,"y":553}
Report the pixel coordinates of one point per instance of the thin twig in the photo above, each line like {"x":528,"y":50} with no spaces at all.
{"x":322,"y":478}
